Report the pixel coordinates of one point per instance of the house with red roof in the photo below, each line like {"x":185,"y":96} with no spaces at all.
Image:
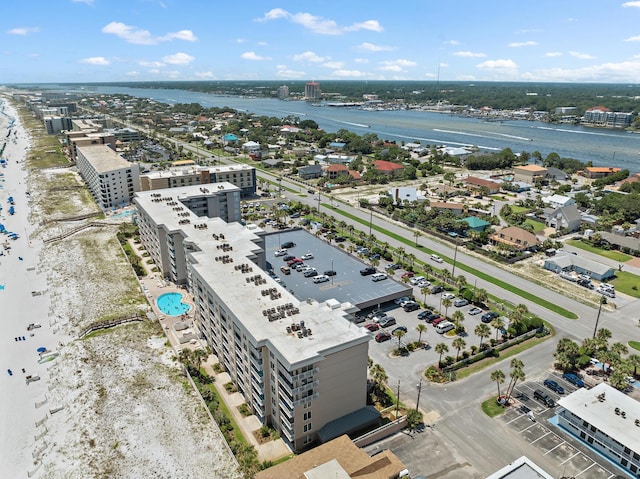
{"x":335,"y":170}
{"x":387,"y":167}
{"x":599,"y":171}
{"x":476,"y":184}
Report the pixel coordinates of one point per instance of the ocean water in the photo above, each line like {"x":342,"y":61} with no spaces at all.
{"x":602,"y":147}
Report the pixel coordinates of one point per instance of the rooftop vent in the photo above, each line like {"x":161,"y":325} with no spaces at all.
{"x":601,"y":397}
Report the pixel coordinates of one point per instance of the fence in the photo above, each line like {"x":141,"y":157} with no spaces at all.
{"x":110,"y":324}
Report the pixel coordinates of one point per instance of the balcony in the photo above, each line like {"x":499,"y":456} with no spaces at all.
{"x":257,"y":376}
{"x":305,"y":375}
{"x":306,"y":399}
{"x":288,"y":402}
{"x":258,"y":398}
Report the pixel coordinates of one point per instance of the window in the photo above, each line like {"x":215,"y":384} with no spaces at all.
{"x":307,"y":428}
{"x":307,"y":439}
{"x":307,"y":416}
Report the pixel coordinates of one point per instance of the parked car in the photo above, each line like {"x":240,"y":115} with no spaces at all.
{"x":460,"y":302}
{"x":378,"y":317}
{"x":288,"y":257}
{"x":423,"y":284}
{"x":287,"y":245}
{"x":488,"y":317}
{"x":329,"y":272}
{"x":375,"y":256}
{"x":382,"y":336}
{"x":378,"y":277}
{"x":554,"y":386}
{"x":444,"y":326}
{"x":280,"y":252}
{"x":431,"y":317}
{"x":367,"y":271}
{"x":307,"y":256}
{"x":411,"y":306}
{"x":407,"y":274}
{"x":475,"y":310}
{"x":399,"y":328}
{"x":393,"y":266}
{"x":310,"y":273}
{"x":416,"y":279}
{"x":573,"y":379}
{"x":436,"y":258}
{"x":311,"y":192}
{"x":285,"y":269}
{"x":543,"y":397}
{"x":437,"y":320}
{"x":372,"y":327}
{"x":294,"y":215}
{"x":401,"y":300}
{"x":436,"y":289}
{"x":294,"y":261}
{"x":387,"y":321}
{"x":321,"y":279}
{"x":423,"y":314}
{"x":448,"y":296}
{"x":339,"y":239}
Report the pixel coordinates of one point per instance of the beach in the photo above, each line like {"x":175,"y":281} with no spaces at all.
{"x":114,"y":404}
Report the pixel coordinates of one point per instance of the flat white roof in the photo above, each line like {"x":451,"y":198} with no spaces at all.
{"x":190,"y":170}
{"x":331,"y":330}
{"x":521,"y":468}
{"x":104,"y":159}
{"x":586,"y":404}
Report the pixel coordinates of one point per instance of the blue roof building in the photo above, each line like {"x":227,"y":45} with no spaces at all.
{"x":475,"y":223}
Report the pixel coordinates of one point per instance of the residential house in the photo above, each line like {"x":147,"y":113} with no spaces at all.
{"x":557,"y":201}
{"x":387,"y":167}
{"x":402,"y":194}
{"x":456,"y":208}
{"x":251,"y":146}
{"x":335,"y":170}
{"x":572,"y":262}
{"x":337,"y":145}
{"x":617,"y":241}
{"x":529,"y":173}
{"x":311,"y":171}
{"x":515,"y":237}
{"x":563,"y":218}
{"x":474,"y":183}
{"x":595,"y":172}
{"x":475,"y":223}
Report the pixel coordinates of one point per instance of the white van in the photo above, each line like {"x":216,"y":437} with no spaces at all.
{"x":444,"y":326}
{"x":436,"y":258}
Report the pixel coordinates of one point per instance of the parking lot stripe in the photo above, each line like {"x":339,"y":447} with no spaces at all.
{"x":533,"y":442}
{"x":563,"y":442}
{"x":515,"y":418}
{"x":585,"y":470}
{"x":527,"y":428}
{"x":570,"y":458}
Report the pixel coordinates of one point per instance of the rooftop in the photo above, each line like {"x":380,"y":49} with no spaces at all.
{"x":103,"y":159}
{"x":191,"y":170}
{"x":521,"y":468}
{"x":603,"y":406}
{"x":532,"y":168}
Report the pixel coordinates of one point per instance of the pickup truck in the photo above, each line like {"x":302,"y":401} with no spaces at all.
{"x":33,"y":326}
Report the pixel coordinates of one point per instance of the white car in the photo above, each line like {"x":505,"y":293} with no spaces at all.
{"x":307,"y":256}
{"x":378,"y":277}
{"x":423,"y":284}
{"x":475,"y":310}
{"x":436,"y":258}
{"x":281,"y":252}
{"x":448,"y":296}
{"x":321,"y":279}
{"x":416,"y":279}
{"x":399,"y":301}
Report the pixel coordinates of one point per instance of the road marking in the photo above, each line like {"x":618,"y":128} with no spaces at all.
{"x":526,"y":429}
{"x":585,"y":470}
{"x":570,"y":458}
{"x":515,"y":418}
{"x":548,"y":432}
{"x":563,"y":442}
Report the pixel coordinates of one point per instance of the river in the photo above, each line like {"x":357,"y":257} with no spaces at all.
{"x":601,"y":147}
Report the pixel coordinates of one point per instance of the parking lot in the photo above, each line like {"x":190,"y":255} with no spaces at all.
{"x":534,"y":422}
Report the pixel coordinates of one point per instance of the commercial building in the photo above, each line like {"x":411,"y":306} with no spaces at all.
{"x":602,"y":116}
{"x":242,"y":176}
{"x":283,"y":92}
{"x":521,"y":468}
{"x":111,"y":179}
{"x":529,"y":173}
{"x":56,"y":124}
{"x":607,"y":420}
{"x":312,"y":91}
{"x":75,"y":139}
{"x":300,"y":365}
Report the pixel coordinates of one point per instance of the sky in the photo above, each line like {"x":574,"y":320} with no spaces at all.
{"x":49,"y":41}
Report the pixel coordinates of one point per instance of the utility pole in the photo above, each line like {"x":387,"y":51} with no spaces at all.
{"x":455,"y":255}
{"x":370,"y":218}
{"x":595,"y":329}
{"x":419,"y":391}
{"x":398,"y":400}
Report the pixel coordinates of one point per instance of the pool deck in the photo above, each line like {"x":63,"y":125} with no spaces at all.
{"x":155,"y":286}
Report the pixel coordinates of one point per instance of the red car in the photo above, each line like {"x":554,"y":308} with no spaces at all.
{"x":294,"y":261}
{"x":408,"y":274}
{"x":372,"y":327}
{"x":436,"y":321}
{"x":383,"y":336}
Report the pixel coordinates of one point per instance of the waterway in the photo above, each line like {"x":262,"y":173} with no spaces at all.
{"x":601,"y":147}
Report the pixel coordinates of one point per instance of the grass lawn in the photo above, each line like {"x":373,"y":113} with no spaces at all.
{"x":519,"y":209}
{"x":611,"y":254}
{"x":463,"y":267}
{"x":627,"y":283}
{"x":491,"y":407}
{"x":537,"y":225}
{"x":635,"y":345}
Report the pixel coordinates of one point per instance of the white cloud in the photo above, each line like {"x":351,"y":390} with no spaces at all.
{"x":205,"y":75}
{"x":262,"y":44}
{"x":470,"y":54}
{"x":333,"y":65}
{"x":95,"y":61}
{"x":132,"y":73}
{"x":148,"y":64}
{"x":529,"y":43}
{"x":631,"y":4}
{"x":349,"y":74}
{"x":582,"y":56}
{"x":361,"y":60}
{"x":253,"y":56}
{"x":319,"y":25}
{"x":154,"y":71}
{"x":241,"y":40}
{"x":553,"y":54}
{"x":23,"y":30}
{"x":138,"y":36}
{"x":452,"y":42}
{"x":635,"y":38}
{"x":391,"y":68}
{"x":284,"y":72}
{"x":501,"y":65}
{"x":309,"y":56}
{"x":370,"y":47}
{"x":86,"y":2}
{"x":606,"y":72}
{"x":396,"y":65}
{"x":178,"y":59}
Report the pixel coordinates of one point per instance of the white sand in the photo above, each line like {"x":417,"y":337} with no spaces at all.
{"x":126,"y":411}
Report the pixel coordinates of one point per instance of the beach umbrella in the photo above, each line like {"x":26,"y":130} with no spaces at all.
{"x":41,"y":349}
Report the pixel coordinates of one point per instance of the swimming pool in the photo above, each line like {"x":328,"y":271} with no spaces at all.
{"x":171,"y":304}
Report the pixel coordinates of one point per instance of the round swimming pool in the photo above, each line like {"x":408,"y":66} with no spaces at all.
{"x":171,"y":304}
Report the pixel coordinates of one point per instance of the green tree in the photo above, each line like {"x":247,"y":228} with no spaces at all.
{"x":458,"y":318}
{"x":421,"y":328}
{"x":399,"y":333}
{"x":441,"y":348}
{"x":414,"y":418}
{"x":482,"y":331}
{"x":498,"y":325}
{"x":498,"y":377}
{"x":459,"y":344}
{"x":447,"y":304}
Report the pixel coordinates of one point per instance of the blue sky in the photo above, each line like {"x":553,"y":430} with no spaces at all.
{"x":465,"y":40}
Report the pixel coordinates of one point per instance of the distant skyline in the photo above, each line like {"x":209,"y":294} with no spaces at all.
{"x":459,"y":40}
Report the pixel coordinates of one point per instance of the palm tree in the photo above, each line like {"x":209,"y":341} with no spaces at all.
{"x":400,"y":254}
{"x":516,"y":375}
{"x":499,"y":377}
{"x":460,"y":281}
{"x":411,"y":258}
{"x":416,"y":235}
{"x":498,"y":324}
{"x":424,"y":290}
{"x":199,"y":356}
{"x":447,"y":304}
{"x":458,"y":343}
{"x":619,"y":349}
{"x":399,"y":333}
{"x":441,"y":348}
{"x":482,"y":331}
{"x":428,"y":270}
{"x":421,"y":328}
{"x":515,"y":364}
{"x":480,"y":295}
{"x":458,"y":318}
{"x":379,"y":376}
{"x":603,"y":336}
{"x":634,"y":361}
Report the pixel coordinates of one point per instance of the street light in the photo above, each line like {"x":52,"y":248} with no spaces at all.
{"x":332,"y":271}
{"x":419,"y":386}
{"x":602,"y":301}
{"x":370,"y":218}
{"x":455,"y":255}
